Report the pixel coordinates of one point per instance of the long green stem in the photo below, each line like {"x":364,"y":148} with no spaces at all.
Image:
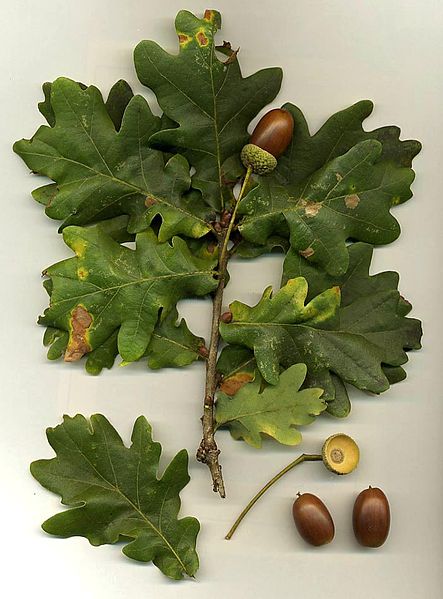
{"x":303,"y":458}
{"x":234,"y":212}
{"x":208,"y":451}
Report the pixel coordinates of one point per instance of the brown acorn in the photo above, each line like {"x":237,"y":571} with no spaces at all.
{"x":273,"y":132}
{"x":371,"y":517}
{"x":313,"y":520}
{"x":269,"y":140}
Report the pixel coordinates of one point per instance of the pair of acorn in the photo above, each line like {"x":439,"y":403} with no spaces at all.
{"x":370,"y":518}
{"x":371,"y":514}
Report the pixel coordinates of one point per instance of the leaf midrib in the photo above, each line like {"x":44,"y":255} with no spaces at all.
{"x":116,"y":489}
{"x":135,"y":282}
{"x":115,"y":179}
{"x":267,"y":411}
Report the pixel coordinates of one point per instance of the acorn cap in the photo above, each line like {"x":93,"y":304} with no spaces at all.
{"x":261,"y":161}
{"x":340,"y":454}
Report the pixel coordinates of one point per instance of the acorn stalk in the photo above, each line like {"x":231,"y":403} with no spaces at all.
{"x":351,"y":456}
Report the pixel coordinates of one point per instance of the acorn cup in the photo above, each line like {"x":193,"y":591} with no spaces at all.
{"x":269,"y":140}
{"x":340,"y":454}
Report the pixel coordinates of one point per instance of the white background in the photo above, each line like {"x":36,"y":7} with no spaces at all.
{"x":333,"y":53}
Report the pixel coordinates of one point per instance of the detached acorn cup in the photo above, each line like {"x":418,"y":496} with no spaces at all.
{"x":270,"y":138}
{"x":340,"y":454}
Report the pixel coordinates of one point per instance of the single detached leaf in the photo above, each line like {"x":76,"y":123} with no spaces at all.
{"x":101,"y":172}
{"x":208,"y":98}
{"x":109,"y":288}
{"x":276,"y":411}
{"x":350,"y":340}
{"x":114,"y":492}
{"x":338,"y":184}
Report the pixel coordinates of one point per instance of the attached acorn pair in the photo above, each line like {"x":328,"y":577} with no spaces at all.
{"x":371,"y":513}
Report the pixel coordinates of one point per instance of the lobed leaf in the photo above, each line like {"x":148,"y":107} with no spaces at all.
{"x":209,"y":100}
{"x":114,"y":493}
{"x":109,"y":293}
{"x":276,"y":411}
{"x":359,"y":335}
{"x":338,"y":184}
{"x":103,"y":169}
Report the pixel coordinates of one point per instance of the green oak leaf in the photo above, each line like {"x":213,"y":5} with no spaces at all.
{"x":119,"y":97}
{"x":270,"y":327}
{"x":351,"y":337}
{"x":372,"y":302}
{"x":208,"y":98}
{"x":275,"y":411}
{"x":114,"y":493}
{"x":275,"y":243}
{"x":338,"y":184}
{"x":101,"y":172}
{"x":173,"y":344}
{"x":343,"y":130}
{"x":108,"y":288}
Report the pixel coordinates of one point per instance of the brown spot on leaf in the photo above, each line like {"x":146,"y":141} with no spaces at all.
{"x":307,"y":252}
{"x":209,"y":15}
{"x":352,"y":201}
{"x":312,"y":209}
{"x":338,"y":177}
{"x":183,"y":38}
{"x":150,"y":202}
{"x":202,"y":39}
{"x":78,"y":344}
{"x":232,"y":384}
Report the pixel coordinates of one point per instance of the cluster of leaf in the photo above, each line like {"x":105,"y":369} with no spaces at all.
{"x":142,"y":230}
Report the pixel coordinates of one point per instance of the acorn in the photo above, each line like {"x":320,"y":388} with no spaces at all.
{"x":340,"y":454}
{"x":313,"y":520}
{"x":371,"y":518}
{"x":269,"y":140}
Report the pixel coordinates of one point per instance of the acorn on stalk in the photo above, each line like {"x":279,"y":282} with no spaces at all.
{"x":340,"y":454}
{"x":269,"y":140}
